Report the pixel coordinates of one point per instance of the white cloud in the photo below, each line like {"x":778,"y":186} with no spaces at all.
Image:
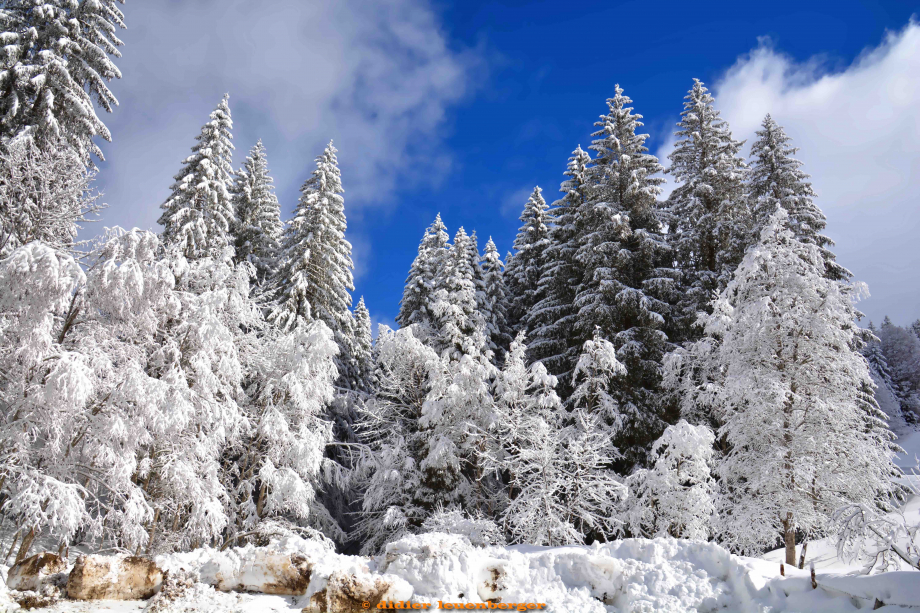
{"x":513,"y":202}
{"x":859,"y":134}
{"x":378,"y":78}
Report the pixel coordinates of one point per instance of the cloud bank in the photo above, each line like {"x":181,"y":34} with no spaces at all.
{"x":378,"y":78}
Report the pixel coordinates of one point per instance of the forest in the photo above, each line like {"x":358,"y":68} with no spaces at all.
{"x":692,"y":366}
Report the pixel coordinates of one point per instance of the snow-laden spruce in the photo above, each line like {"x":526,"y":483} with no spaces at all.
{"x":424,"y":277}
{"x":45,"y":194}
{"x":708,"y":217}
{"x":57,"y":58}
{"x":624,"y":257}
{"x":901,"y":348}
{"x":777,"y":179}
{"x":556,"y":463}
{"x":459,"y":325}
{"x":198,"y":215}
{"x":522,"y":273}
{"x":675,"y":497}
{"x":257,"y":230}
{"x":779,"y":371}
{"x":553,"y":320}
{"x":495,"y":307}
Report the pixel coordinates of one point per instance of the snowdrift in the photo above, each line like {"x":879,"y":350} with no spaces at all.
{"x":634,"y":575}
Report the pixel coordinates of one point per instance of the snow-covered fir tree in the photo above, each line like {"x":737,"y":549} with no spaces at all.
{"x":594,"y":380}
{"x":364,"y":345}
{"x":785,"y":383}
{"x":708,"y":219}
{"x":258,"y":228}
{"x":460,"y":329}
{"x":554,"y":318}
{"x":57,"y":57}
{"x":495,"y":310}
{"x":424,"y":277}
{"x":198,"y":215}
{"x":623,"y":255}
{"x":314,"y":278}
{"x":559,"y":487}
{"x":45,"y":194}
{"x":522,"y":272}
{"x":901,"y":348}
{"x":675,"y":496}
{"x":777,"y":179}
{"x":886,"y":392}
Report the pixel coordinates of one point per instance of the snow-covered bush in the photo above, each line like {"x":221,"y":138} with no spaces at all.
{"x":675,"y":496}
{"x":482,"y":532}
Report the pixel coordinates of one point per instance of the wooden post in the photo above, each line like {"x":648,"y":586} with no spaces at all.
{"x":782,"y":569}
{"x":802,"y":557}
{"x":814,"y":582}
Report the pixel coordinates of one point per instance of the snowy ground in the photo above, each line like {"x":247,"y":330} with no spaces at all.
{"x":661,"y":575}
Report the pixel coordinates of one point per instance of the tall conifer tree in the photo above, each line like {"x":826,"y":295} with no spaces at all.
{"x":777,"y":179}
{"x":709,"y":219}
{"x":424,"y":276}
{"x":198,"y":214}
{"x":523,"y":271}
{"x":258,"y":228}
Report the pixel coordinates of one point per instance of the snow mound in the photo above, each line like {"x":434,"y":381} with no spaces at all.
{"x":631,"y":575}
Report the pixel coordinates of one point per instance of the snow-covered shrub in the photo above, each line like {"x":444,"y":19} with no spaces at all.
{"x":675,"y":496}
{"x":481,"y":531}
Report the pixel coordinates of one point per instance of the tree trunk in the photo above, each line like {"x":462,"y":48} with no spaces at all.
{"x":26,"y":546}
{"x":789,"y":534}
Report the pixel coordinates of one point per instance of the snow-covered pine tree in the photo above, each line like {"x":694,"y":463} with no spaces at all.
{"x":886,"y":391}
{"x":624,"y":257}
{"x":496,"y":300}
{"x":675,"y":496}
{"x":56,"y":62}
{"x":554,"y":318}
{"x":708,"y":217}
{"x":522,"y":272}
{"x":424,"y":275}
{"x":785,"y":382}
{"x":594,"y":378}
{"x":315,"y":278}
{"x":901,"y":348}
{"x":198,"y":214}
{"x":479,"y":283}
{"x":45,"y":194}
{"x":777,"y":179}
{"x":258,"y":228}
{"x":364,"y":342}
{"x":460,"y":329}
{"x":915,"y":328}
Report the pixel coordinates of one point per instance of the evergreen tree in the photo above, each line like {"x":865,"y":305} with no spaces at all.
{"x":314,"y":278}
{"x":258,"y":228}
{"x":622,"y":251}
{"x":198,"y":215}
{"x":708,"y":216}
{"x":496,"y":301}
{"x":777,"y":179}
{"x":460,"y":327}
{"x":523,"y":271}
{"x":424,"y":275}
{"x":363,"y":348}
{"x":594,"y":376}
{"x":479,"y":283}
{"x":886,"y":391}
{"x":554,"y":318}
{"x":56,"y":62}
{"x":675,"y":496}
{"x":901,"y":348}
{"x":787,"y":387}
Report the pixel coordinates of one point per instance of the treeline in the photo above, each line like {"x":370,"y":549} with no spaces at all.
{"x":640,"y":366}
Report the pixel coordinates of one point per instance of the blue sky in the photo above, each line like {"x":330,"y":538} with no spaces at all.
{"x":462,"y":108}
